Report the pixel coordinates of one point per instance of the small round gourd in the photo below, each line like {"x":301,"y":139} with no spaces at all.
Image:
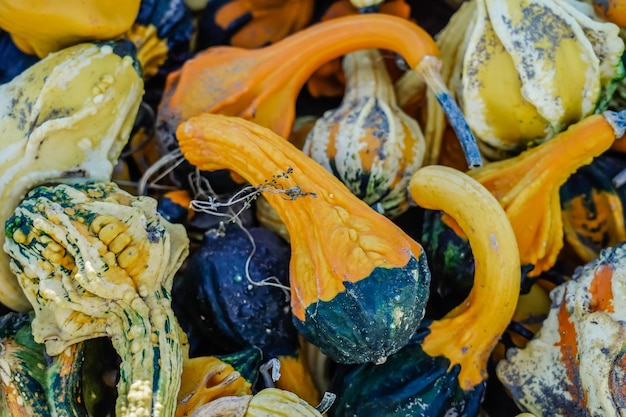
{"x":368,"y":142}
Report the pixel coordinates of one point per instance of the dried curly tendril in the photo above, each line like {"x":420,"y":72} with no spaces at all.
{"x":96,"y":261}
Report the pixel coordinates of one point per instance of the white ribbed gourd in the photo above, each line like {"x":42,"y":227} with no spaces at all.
{"x":368,"y":142}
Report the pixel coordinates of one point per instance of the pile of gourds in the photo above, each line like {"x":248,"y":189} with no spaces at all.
{"x":307,"y":208}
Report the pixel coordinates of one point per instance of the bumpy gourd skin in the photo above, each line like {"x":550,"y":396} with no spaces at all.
{"x":359,"y":284}
{"x":95,"y":261}
{"x":64,"y":119}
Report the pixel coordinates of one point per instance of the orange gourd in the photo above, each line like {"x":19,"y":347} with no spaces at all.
{"x":262,"y":84}
{"x":527,"y":186}
{"x":358,"y":283}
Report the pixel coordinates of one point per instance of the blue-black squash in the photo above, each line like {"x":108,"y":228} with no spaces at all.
{"x":233,"y":294}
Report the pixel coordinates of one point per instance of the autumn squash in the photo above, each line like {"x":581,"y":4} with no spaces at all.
{"x":450,"y":261}
{"x":270,"y":401}
{"x":95,"y":261}
{"x":262,"y":84}
{"x":442,"y":370}
{"x":251,"y":23}
{"x":575,"y":364}
{"x":368,"y":142}
{"x":33,"y":384}
{"x":174,"y":206}
{"x":79,"y":105}
{"x":238,"y":281}
{"x":350,"y":259}
{"x":41,"y":27}
{"x":207,"y":378}
{"x":492,"y":64}
{"x":593,"y":207}
{"x":611,"y":10}
{"x":528,"y":185}
{"x":162,"y":32}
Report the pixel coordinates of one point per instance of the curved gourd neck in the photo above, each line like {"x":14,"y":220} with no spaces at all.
{"x":468,"y":334}
{"x":304,"y":52}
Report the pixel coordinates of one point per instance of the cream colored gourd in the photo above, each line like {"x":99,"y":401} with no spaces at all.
{"x":524,"y":71}
{"x":368,"y":142}
{"x":65,"y":119}
{"x":95,"y":261}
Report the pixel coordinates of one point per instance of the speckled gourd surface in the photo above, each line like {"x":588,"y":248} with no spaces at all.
{"x":65,"y":119}
{"x":96,"y":261}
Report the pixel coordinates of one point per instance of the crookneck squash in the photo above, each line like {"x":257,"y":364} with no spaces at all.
{"x":77,"y":105}
{"x":368,"y":142}
{"x":262,"y":84}
{"x":359,"y":284}
{"x":95,"y":261}
{"x":442,"y":370}
{"x":527,"y":186}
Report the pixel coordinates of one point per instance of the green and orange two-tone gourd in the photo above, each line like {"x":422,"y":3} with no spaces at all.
{"x":359,"y":284}
{"x":442,"y":370}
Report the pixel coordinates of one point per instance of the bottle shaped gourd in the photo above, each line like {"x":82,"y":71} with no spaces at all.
{"x":358,"y":283}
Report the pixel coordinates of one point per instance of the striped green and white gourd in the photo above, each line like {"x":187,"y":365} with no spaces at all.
{"x":368,"y":142}
{"x":33,"y":384}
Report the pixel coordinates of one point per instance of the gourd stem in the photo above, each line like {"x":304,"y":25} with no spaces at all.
{"x":468,"y":334}
{"x":430,"y":70}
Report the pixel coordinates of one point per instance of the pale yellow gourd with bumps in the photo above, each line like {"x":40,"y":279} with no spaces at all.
{"x":65,"y":119}
{"x":96,"y":261}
